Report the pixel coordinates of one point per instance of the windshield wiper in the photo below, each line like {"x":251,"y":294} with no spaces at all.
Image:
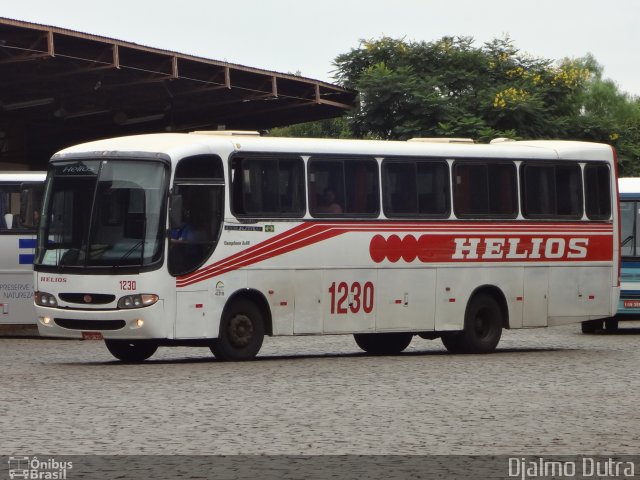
{"x":126,"y":255}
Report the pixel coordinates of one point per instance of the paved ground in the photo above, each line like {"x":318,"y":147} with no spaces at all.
{"x":546,"y":391}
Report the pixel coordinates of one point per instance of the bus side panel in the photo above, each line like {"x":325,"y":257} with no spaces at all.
{"x":349,"y":300}
{"x":16,"y":300}
{"x":16,"y":279}
{"x":629,"y":302}
{"x":405,"y":299}
{"x":453,"y":288}
{"x":595,"y":295}
{"x":278,"y":288}
{"x":191,"y":315}
{"x":308,"y":303}
{"x":578,"y":293}
{"x":509,"y":280}
{"x":563,"y":292}
{"x":535,"y":296}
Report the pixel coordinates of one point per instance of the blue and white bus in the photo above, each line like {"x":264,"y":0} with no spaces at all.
{"x":20,"y":198}
{"x":629,"y":303}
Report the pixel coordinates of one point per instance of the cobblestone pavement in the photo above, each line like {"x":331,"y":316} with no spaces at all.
{"x":545,"y":391}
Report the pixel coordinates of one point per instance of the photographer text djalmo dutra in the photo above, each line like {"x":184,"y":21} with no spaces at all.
{"x":586,"y":467}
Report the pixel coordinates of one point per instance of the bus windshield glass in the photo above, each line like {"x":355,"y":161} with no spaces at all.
{"x":629,"y":226}
{"x":102,"y":213}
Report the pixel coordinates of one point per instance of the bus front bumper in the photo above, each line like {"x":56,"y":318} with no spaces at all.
{"x":125,"y":324}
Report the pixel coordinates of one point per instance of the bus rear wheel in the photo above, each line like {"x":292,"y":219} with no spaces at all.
{"x":611,"y":324}
{"x":383,"y":343}
{"x":131,"y":351}
{"x":482,"y":327}
{"x":241,"y":332}
{"x":590,"y":326}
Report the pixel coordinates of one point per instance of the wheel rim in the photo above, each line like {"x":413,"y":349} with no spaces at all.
{"x":482,"y":323}
{"x":240,"y":330}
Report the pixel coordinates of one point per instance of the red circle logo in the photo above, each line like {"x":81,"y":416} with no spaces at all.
{"x":394,"y":248}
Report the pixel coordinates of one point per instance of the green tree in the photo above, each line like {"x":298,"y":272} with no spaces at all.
{"x":610,"y":116}
{"x":449,"y":87}
{"x":329,"y":128}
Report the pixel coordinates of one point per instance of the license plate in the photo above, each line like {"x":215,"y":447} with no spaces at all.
{"x":91,"y":336}
{"x":632,"y":304}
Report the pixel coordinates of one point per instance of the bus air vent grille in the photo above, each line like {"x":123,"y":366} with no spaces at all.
{"x":88,"y":298}
{"x":77,"y":324}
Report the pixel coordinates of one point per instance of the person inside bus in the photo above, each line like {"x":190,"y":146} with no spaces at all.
{"x":190,"y":242}
{"x":193,"y":229}
{"x":329,"y":203}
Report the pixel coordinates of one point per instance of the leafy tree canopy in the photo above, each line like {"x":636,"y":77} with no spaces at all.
{"x":450,"y":87}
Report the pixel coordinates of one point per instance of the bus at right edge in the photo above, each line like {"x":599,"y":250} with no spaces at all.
{"x":629,"y":303}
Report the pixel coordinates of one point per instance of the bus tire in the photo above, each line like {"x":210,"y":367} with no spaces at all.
{"x":131,"y":351}
{"x":590,"y":326}
{"x":383,"y":343}
{"x":482,"y":327}
{"x":611,"y":324}
{"x":452,"y":342}
{"x":241,"y":332}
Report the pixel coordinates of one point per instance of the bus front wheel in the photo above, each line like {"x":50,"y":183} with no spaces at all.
{"x":482,"y":327}
{"x":383,"y":343}
{"x":129,"y":351}
{"x":241,"y":332}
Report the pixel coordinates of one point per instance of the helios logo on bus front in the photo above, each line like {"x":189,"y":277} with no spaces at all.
{"x":450,"y":248}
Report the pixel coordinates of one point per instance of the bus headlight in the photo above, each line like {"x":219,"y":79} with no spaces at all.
{"x":44,"y":299}
{"x":137,"y":301}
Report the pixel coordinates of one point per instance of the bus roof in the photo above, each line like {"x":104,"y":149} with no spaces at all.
{"x":629,"y":186}
{"x":178,"y":145}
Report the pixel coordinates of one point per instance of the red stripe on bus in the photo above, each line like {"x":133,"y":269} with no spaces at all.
{"x":432,"y":243}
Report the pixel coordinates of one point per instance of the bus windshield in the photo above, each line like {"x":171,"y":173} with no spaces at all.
{"x":629,"y":226}
{"x":102,"y":213}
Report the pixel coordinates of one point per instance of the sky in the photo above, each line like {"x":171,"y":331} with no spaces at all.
{"x":302,"y":36}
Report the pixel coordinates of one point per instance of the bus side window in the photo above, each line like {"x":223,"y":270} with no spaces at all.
{"x":20,"y":206}
{"x":597,"y":185}
{"x":326,"y":185}
{"x":485,"y":189}
{"x":399,"y":187}
{"x":267,"y":186}
{"x":415,"y":187}
{"x":433,"y":188}
{"x":551,"y":191}
{"x":340,"y":187}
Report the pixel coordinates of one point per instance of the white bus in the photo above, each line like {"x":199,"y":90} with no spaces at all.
{"x":220,"y":239}
{"x":20,"y":198}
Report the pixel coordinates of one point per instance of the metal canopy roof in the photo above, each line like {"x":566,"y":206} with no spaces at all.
{"x":58,"y":87}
